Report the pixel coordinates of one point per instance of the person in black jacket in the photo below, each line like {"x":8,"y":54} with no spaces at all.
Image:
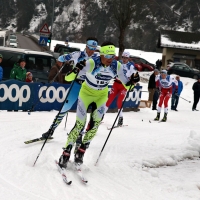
{"x":196,"y":88}
{"x":153,"y":93}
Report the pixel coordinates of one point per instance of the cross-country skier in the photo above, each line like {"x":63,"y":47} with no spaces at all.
{"x":118,"y":88}
{"x":99,"y":71}
{"x":76,"y":57}
{"x":164,"y":85}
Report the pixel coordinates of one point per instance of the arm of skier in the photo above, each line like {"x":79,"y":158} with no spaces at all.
{"x":80,"y":68}
{"x":130,"y":72}
{"x":127,"y":81}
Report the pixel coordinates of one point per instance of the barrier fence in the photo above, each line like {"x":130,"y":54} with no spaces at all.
{"x":16,"y":95}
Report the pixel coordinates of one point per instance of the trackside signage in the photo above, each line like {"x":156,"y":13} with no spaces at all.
{"x":16,"y":95}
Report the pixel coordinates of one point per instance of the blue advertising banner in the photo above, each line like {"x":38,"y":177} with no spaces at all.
{"x":17,"y":95}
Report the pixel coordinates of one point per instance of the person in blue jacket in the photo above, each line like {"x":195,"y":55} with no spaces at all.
{"x":1,"y":69}
{"x":176,"y":94}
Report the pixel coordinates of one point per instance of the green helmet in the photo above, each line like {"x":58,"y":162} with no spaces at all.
{"x":1,"y":56}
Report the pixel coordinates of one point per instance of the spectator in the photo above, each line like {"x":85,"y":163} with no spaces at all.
{"x":153,"y":93}
{"x":29,"y":77}
{"x":136,"y":109}
{"x":54,"y":71}
{"x":176,"y":94}
{"x":196,"y":88}
{"x":18,"y":71}
{"x":1,"y":69}
{"x":158,"y":64}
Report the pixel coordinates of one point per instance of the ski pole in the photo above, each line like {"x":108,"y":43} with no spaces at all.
{"x":113,"y":124}
{"x":183,"y":98}
{"x":66,"y":120}
{"x":33,"y":106}
{"x":55,"y":120}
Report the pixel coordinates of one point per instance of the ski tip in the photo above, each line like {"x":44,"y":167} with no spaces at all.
{"x":84,"y":181}
{"x":69,"y":183}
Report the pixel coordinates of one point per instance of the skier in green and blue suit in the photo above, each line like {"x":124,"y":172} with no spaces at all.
{"x":98,"y":73}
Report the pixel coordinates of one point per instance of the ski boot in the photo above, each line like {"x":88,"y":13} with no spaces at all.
{"x":164,"y":118}
{"x":78,"y":157}
{"x":64,"y":158}
{"x":157,"y":117}
{"x":120,"y":121}
{"x":48,"y":134}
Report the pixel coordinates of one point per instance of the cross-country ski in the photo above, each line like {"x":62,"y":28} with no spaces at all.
{"x":63,"y":174}
{"x":109,"y":128}
{"x":37,"y":140}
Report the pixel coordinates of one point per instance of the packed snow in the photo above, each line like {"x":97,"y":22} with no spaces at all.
{"x":141,"y":161}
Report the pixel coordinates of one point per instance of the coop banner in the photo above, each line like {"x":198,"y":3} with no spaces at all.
{"x":17,"y":95}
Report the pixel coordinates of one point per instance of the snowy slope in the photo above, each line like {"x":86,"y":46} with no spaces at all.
{"x":143,"y":161}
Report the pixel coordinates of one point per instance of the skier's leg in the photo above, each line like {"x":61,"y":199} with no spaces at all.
{"x":97,"y":116}
{"x":161,"y":98}
{"x":81,"y":114}
{"x":112,"y":95}
{"x":120,"y":99}
{"x":89,"y":126}
{"x":91,"y":122}
{"x":69,"y":102}
{"x":166,"y":99}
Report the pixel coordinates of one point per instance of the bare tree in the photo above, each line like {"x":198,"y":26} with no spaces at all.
{"x":124,"y":12}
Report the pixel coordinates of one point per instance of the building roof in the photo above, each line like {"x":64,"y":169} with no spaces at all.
{"x":180,"y":40}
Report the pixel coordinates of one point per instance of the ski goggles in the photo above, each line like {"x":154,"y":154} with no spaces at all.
{"x":92,"y":44}
{"x":107,"y":56}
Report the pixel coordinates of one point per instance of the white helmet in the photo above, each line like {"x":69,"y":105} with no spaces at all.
{"x":125,"y":54}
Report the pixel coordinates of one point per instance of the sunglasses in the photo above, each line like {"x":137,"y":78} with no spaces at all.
{"x":91,"y":47}
{"x":124,"y":57}
{"x":107,"y":56}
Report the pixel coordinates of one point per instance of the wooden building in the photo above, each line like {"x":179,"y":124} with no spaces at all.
{"x":180,"y":46}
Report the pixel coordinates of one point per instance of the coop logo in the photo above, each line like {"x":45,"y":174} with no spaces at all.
{"x":137,"y":96}
{"x":14,"y":93}
{"x":51,"y":94}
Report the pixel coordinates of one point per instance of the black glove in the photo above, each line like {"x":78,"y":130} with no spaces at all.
{"x":79,"y":66}
{"x":133,"y":79}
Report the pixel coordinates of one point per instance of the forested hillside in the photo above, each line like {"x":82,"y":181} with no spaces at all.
{"x":78,"y":19}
